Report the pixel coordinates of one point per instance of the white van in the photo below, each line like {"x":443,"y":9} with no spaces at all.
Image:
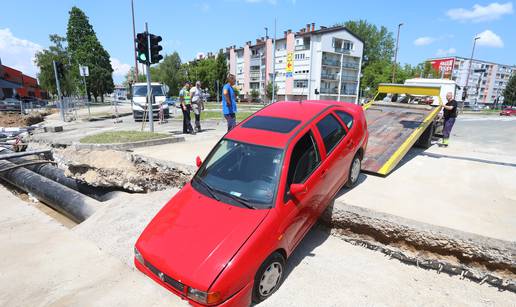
{"x":139,"y":100}
{"x":445,"y":84}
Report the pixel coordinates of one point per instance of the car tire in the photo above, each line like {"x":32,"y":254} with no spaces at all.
{"x":354,"y":171}
{"x":268,"y":277}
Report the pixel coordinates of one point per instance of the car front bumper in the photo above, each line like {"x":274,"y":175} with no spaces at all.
{"x":239,"y":299}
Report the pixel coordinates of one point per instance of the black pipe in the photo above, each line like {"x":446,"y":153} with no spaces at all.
{"x":57,"y":174}
{"x":69,"y":202}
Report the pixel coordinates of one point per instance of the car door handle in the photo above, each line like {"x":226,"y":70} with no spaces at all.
{"x":323,"y":173}
{"x":350,"y":144}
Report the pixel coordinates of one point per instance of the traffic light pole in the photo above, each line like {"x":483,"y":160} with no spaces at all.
{"x":59,"y":92}
{"x":149,"y":88}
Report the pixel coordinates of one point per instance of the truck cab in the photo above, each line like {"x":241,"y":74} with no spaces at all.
{"x":139,"y":101}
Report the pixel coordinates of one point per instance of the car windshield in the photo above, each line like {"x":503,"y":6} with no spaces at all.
{"x":141,"y":91}
{"x":241,"y":173}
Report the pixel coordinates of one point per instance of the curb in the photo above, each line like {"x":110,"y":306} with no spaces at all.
{"x":385,"y":228}
{"x":130,"y":145}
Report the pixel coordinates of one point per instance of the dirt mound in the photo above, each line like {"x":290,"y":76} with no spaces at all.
{"x":18,"y":120}
{"x":110,"y":168}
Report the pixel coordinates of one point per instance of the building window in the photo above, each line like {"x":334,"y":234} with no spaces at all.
{"x":300,"y":83}
{"x":299,"y":56}
{"x":342,"y":45}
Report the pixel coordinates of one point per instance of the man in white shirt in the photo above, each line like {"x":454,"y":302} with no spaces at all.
{"x":197,"y":104}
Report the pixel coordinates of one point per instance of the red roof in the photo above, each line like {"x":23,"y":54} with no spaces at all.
{"x":303,"y":111}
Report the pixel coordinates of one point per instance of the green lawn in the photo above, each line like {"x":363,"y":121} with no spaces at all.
{"x":218,"y":115}
{"x":111,"y":137}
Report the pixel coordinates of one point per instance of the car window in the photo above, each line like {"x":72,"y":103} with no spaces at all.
{"x":304,"y":160}
{"x":331,"y":131}
{"x":346,"y":118}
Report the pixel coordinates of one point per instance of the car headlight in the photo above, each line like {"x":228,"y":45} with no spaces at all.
{"x":138,"y":256}
{"x":203,"y":297}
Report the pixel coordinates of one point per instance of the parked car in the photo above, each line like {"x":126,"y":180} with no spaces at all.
{"x":508,"y":111}
{"x":10,"y":105}
{"x":224,"y":238}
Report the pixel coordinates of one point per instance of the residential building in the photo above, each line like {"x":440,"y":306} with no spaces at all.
{"x":309,"y":64}
{"x":14,"y":83}
{"x":487,"y":80}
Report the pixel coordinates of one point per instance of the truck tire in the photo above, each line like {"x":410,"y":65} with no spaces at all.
{"x":425,"y":140}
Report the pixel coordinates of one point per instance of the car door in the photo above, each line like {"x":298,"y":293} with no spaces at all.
{"x":304,"y":160}
{"x":336,"y":155}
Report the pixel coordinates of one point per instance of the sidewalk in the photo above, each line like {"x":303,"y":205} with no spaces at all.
{"x":43,"y":263}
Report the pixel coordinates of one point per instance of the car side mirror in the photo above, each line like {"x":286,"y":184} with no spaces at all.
{"x":198,"y":161}
{"x":298,"y":190}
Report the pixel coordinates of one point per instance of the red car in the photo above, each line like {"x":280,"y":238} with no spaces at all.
{"x":508,"y":111}
{"x":225,"y":237}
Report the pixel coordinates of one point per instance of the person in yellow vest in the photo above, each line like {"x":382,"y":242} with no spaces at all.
{"x":186,"y":107}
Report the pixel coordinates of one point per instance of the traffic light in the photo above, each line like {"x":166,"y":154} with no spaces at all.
{"x":60,"y":70}
{"x":142,"y":48}
{"x":155,"y":49}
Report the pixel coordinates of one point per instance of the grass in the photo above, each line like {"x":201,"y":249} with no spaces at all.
{"x":240,"y":116}
{"x":112,"y":137}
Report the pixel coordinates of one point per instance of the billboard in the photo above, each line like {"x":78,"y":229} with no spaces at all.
{"x":444,"y":67}
{"x":290,"y":65}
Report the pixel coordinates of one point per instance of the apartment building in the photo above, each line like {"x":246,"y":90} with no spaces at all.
{"x":308,"y":64}
{"x":487,"y":80}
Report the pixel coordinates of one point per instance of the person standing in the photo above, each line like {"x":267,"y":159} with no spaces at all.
{"x":197,"y":104}
{"x":186,"y":107}
{"x":229,"y":107}
{"x":450,"y":114}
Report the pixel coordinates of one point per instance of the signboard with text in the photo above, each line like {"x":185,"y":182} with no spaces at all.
{"x":290,"y":65}
{"x":443,"y":67}
{"x":84,"y":71}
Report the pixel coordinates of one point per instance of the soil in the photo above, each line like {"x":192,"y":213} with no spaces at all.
{"x":18,"y":120}
{"x":119,"y":169}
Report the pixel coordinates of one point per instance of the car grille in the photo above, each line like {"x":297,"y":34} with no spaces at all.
{"x":165,"y":278}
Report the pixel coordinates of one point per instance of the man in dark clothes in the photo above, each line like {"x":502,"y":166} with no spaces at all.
{"x":450,"y":114}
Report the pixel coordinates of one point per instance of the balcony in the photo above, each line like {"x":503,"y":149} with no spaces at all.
{"x":350,"y":65}
{"x":326,"y":76}
{"x":301,"y":47}
{"x":330,"y":62}
{"x":349,"y":78}
{"x":330,"y":91}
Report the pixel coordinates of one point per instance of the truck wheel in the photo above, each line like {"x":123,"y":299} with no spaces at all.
{"x":425,"y":140}
{"x":269,"y":277}
{"x":354,"y":172}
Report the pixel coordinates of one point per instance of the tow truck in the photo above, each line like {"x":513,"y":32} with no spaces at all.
{"x":407,"y":116}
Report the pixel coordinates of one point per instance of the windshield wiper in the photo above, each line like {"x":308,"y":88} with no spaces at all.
{"x":238,"y":199}
{"x":208,"y":188}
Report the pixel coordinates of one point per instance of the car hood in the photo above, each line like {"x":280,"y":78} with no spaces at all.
{"x":193,"y":237}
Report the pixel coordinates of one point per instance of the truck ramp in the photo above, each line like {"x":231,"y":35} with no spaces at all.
{"x":393,"y":129}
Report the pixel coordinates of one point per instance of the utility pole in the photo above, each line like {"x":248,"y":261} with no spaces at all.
{"x":274,"y":64}
{"x":134,"y":43}
{"x":465,"y":90}
{"x":59,"y":92}
{"x":396,"y":54}
{"x":149,"y":87}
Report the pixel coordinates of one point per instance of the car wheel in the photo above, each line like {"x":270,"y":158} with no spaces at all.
{"x":354,"y":172}
{"x":269,"y":277}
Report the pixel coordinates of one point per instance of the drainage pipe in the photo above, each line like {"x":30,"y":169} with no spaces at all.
{"x":67,"y":201}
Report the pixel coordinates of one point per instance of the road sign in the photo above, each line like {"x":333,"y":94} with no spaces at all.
{"x":84,"y":71}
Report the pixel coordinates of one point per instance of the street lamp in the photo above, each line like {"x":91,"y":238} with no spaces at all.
{"x":465,"y":91}
{"x":396,"y":53}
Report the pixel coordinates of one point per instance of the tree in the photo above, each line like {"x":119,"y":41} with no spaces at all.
{"x":85,"y":49}
{"x":221,"y":69}
{"x":169,"y":72}
{"x":255,"y":94}
{"x":378,"y":52}
{"x":509,"y":93}
{"x":268,"y":90}
{"x":44,"y":60}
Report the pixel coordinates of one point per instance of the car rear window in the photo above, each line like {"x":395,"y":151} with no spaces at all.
{"x":275,"y":124}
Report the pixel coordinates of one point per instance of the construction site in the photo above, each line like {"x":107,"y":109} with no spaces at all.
{"x":440,"y":221}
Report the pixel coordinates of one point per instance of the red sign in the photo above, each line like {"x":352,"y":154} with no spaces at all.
{"x":443,"y":66}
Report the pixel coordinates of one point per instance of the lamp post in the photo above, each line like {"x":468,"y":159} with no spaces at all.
{"x":396,"y":54}
{"x":465,"y":91}
{"x":134,"y":43}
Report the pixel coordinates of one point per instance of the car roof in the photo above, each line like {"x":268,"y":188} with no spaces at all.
{"x":303,"y":112}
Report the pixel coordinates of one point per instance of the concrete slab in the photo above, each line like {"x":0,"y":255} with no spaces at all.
{"x":43,"y":263}
{"x":468,"y":186}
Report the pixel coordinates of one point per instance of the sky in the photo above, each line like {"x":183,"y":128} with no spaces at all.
{"x":430,"y":28}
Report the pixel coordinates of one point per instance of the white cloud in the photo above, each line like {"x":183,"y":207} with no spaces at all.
{"x":423,"y":41}
{"x":445,"y":52}
{"x":273,"y":2}
{"x":119,"y":69}
{"x":204,"y":6}
{"x":489,"y":39}
{"x":18,"y":53}
{"x":480,"y":13}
